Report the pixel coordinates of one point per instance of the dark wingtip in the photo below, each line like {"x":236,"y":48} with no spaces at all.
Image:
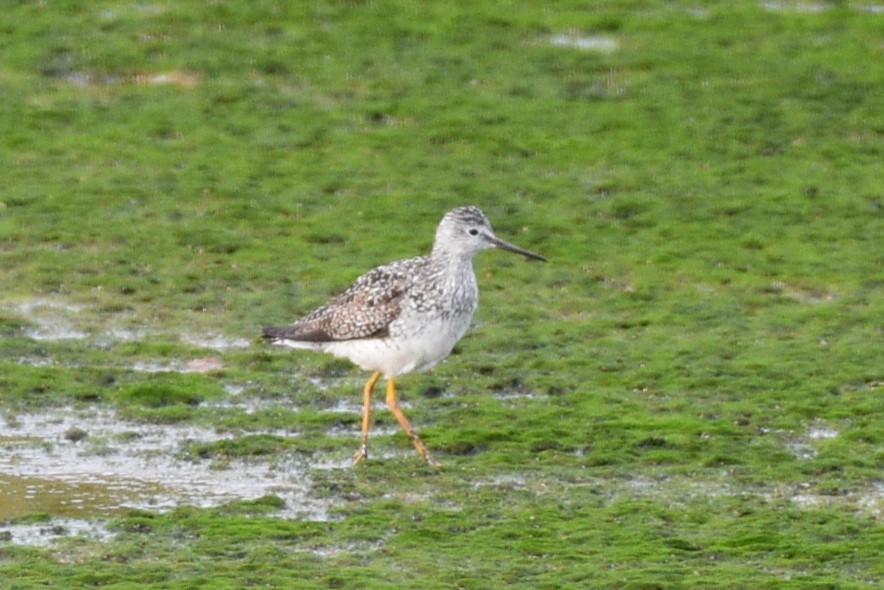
{"x":274,"y":333}
{"x":270,"y":332}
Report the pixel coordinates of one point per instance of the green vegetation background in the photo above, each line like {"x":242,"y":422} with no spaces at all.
{"x":709,"y":195}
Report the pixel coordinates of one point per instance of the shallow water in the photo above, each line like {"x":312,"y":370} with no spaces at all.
{"x":93,"y":463}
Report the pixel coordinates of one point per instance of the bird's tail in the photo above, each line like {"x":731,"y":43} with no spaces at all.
{"x":276,"y":332}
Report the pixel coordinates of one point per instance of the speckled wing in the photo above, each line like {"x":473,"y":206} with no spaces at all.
{"x":365,"y":310}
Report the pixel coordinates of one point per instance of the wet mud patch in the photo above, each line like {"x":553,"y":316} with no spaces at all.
{"x":93,"y":463}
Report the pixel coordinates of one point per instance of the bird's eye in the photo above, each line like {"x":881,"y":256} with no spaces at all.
{"x":474,"y":232}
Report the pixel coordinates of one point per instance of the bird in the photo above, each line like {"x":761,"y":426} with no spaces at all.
{"x":403,"y":316}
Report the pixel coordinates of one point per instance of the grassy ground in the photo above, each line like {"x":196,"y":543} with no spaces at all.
{"x":687,"y":395}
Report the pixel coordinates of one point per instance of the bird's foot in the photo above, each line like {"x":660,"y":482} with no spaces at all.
{"x":431,"y":462}
{"x":360,"y":455}
{"x":422,"y":450}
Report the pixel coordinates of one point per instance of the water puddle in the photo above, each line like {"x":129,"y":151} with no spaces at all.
{"x":803,"y":447}
{"x":800,"y":6}
{"x":200,"y":365}
{"x":65,"y":70}
{"x":51,"y":319}
{"x":347,"y":406}
{"x":215,"y":341}
{"x":821,"y":432}
{"x":808,"y":7}
{"x":44,"y":534}
{"x":246,"y":405}
{"x":513,"y":399}
{"x":600,"y":44}
{"x":180,"y":78}
{"x":681,"y":491}
{"x":354,"y":432}
{"x":92,"y":463}
{"x":869,"y":500}
{"x":120,"y":334}
{"x":801,"y":294}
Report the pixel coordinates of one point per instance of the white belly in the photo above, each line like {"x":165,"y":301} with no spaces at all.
{"x":402,"y":354}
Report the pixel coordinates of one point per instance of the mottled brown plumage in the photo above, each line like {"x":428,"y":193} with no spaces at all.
{"x":365,"y":310}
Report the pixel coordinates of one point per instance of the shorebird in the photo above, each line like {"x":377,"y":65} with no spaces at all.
{"x":403,"y":316}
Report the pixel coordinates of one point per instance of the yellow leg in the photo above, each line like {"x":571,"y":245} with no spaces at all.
{"x":393,"y":403}
{"x":362,"y":453}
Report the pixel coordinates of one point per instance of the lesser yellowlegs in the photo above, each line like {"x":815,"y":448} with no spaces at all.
{"x":403,"y":316}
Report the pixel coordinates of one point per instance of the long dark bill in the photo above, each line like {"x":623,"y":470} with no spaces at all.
{"x":504,"y":245}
